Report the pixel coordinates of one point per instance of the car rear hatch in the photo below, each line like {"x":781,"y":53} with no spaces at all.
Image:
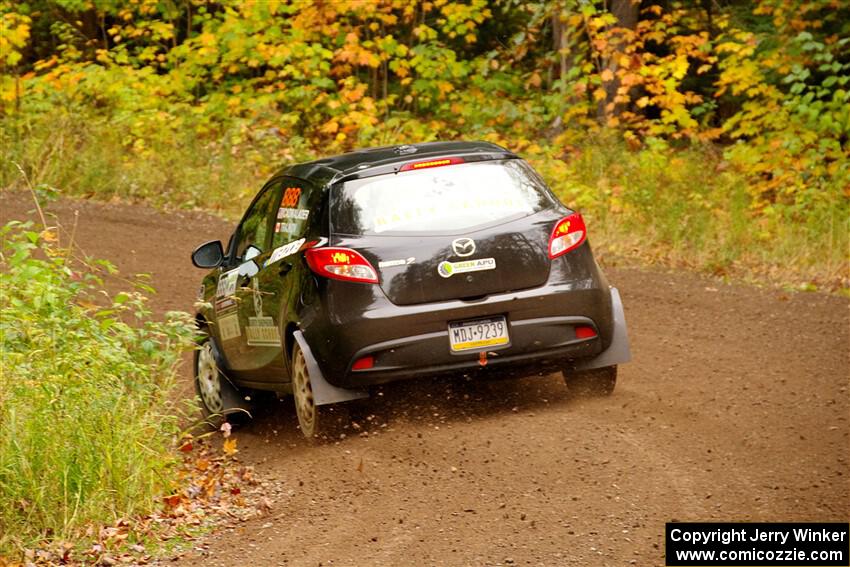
{"x":462,"y":231}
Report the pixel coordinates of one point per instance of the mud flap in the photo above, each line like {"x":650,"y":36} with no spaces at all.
{"x":618,"y":352}
{"x":324,"y":393}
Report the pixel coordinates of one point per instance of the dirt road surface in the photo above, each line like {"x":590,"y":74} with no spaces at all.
{"x":736,"y":407}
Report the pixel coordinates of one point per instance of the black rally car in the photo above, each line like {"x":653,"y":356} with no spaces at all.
{"x":397,"y":262}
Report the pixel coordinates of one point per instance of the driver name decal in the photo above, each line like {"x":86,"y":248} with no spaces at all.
{"x":297,"y":214}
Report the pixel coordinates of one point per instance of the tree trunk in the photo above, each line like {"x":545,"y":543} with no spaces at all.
{"x":559,"y":45}
{"x":626,"y":12}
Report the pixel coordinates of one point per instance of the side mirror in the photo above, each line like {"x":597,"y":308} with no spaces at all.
{"x":209,"y":255}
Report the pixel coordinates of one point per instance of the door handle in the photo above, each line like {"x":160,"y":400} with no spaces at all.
{"x":284,"y":269}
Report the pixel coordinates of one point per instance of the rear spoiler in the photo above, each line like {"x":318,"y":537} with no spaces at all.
{"x":395,"y":164}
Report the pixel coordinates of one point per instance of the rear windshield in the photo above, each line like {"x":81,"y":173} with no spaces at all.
{"x":442,"y":199}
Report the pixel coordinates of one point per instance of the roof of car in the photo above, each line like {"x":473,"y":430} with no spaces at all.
{"x":387,"y":159}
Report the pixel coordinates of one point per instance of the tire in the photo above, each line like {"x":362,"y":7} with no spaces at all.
{"x":316,"y":422}
{"x":595,"y":382}
{"x":218,"y":398}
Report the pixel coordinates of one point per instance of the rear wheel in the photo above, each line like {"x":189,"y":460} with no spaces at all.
{"x":216,"y":393}
{"x":593,"y":382}
{"x":315,"y":421}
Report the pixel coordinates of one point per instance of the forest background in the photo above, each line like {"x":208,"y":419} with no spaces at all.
{"x":708,"y":134}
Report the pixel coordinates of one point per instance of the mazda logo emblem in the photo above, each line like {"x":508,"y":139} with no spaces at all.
{"x":463,"y":247}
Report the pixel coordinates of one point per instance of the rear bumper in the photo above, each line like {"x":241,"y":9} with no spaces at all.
{"x":411,"y":341}
{"x":576,"y":354}
{"x":537,"y":345}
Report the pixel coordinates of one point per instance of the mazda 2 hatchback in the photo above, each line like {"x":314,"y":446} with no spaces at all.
{"x":396,"y":263}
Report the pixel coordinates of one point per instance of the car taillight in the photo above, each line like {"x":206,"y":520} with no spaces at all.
{"x":341,"y":264}
{"x":568,"y":234}
{"x":438,"y":162}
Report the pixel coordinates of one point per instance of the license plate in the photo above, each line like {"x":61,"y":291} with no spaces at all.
{"x":482,"y":333}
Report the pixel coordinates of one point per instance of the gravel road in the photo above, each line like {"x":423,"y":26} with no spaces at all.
{"x":736,"y":407}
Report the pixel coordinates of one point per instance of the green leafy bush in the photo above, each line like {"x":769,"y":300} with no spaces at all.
{"x":86,"y":394}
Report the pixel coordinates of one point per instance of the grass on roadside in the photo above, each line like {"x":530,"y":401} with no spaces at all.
{"x":86,"y":407}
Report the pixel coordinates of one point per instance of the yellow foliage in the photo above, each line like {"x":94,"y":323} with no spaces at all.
{"x":14,"y":34}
